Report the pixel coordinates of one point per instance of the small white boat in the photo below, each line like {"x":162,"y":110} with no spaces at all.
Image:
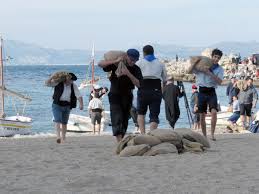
{"x":82,"y":124}
{"x":11,"y":125}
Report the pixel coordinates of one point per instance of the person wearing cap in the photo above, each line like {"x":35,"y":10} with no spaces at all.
{"x":194,"y":107}
{"x":66,"y":94}
{"x":232,"y":90}
{"x":208,"y":81}
{"x":171,"y":95}
{"x":122,"y":85}
{"x":149,"y":94}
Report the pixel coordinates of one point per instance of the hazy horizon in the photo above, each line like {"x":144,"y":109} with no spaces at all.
{"x":117,"y":24}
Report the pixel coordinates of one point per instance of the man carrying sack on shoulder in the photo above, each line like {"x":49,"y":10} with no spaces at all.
{"x":208,"y":81}
{"x":125,"y":75}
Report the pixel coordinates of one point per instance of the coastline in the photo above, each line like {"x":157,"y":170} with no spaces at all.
{"x":88,"y":165}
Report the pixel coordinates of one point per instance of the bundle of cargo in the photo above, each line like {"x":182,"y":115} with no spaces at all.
{"x":114,"y":55}
{"x":199,"y":63}
{"x":57,"y":78}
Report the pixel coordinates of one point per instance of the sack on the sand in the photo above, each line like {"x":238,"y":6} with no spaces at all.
{"x":193,"y":136}
{"x":192,"y":146}
{"x":241,"y":85}
{"x":146,"y":139}
{"x":137,"y":150}
{"x":199,"y":63}
{"x":123,"y":143}
{"x":163,"y":148}
{"x":168,"y":135}
{"x":57,"y":77}
{"x":113,"y":55}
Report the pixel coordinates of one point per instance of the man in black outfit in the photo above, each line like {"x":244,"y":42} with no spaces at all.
{"x":120,"y":95}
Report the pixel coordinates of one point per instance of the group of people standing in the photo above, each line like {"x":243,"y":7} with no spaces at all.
{"x":241,"y":101}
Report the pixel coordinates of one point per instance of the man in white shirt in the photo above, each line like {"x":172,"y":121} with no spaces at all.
{"x":150,"y":91}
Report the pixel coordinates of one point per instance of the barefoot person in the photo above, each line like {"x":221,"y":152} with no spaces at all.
{"x":208,"y":81}
{"x":150,"y":92}
{"x":122,"y":84}
{"x":65,"y":97}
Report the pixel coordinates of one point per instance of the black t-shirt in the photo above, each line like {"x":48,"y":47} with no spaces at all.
{"x":122,"y":84}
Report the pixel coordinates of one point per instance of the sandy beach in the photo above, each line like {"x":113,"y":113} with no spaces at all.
{"x":88,"y":165}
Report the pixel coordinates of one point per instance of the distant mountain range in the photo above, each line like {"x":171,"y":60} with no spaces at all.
{"x":32,"y":54}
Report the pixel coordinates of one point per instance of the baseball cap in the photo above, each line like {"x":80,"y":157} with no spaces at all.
{"x":133,"y":53}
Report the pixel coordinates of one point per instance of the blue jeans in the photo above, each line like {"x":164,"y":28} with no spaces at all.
{"x":60,"y":113}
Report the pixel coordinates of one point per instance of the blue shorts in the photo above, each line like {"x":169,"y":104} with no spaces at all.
{"x":149,"y":98}
{"x":234,"y":117}
{"x":60,"y":113}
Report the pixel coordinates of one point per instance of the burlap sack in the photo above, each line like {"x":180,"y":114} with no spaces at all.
{"x":199,"y":63}
{"x":193,"y":136}
{"x":168,"y":135}
{"x":118,"y":71}
{"x":192,"y":146}
{"x":57,"y":77}
{"x":137,"y":150}
{"x":241,"y":85}
{"x":123,"y":143}
{"x":113,"y":55}
{"x":146,"y":139}
{"x":163,"y":148}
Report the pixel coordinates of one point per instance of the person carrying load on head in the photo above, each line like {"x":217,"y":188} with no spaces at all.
{"x":65,"y":98}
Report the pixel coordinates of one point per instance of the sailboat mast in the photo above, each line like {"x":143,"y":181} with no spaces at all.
{"x":92,"y":81}
{"x":1,"y":78}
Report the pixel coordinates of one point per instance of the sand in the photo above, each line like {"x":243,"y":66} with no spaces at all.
{"x":88,"y":165}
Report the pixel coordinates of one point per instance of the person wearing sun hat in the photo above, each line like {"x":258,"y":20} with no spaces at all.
{"x":66,"y":94}
{"x":194,"y":107}
{"x":122,"y":85}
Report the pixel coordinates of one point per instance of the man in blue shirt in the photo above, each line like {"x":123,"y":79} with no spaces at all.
{"x":208,"y":80}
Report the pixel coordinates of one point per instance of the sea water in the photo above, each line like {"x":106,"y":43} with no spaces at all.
{"x":29,"y":80}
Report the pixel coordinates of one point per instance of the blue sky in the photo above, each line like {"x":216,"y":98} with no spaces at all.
{"x":118,"y":24}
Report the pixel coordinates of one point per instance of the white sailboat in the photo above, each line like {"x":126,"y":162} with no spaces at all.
{"x":11,"y":125}
{"x":80,"y":123}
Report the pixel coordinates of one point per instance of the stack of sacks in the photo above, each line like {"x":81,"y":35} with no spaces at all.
{"x":199,"y":63}
{"x":241,"y":85}
{"x":193,"y":141}
{"x":162,"y":141}
{"x":57,"y":77}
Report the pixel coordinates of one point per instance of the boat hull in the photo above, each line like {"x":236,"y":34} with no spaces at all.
{"x":11,"y":126}
{"x":82,"y":124}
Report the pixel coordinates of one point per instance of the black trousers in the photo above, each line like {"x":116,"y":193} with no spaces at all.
{"x":120,"y":106}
